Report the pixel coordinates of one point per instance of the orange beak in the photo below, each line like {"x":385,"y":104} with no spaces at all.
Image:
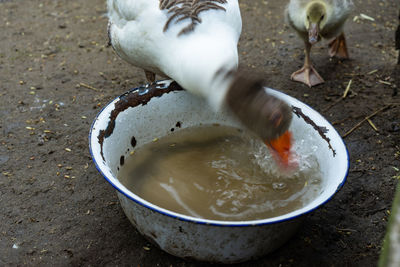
{"x":281,"y":148}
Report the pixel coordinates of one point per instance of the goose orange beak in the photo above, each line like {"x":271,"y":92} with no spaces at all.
{"x":281,"y":148}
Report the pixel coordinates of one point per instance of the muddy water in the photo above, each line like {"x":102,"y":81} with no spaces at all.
{"x":217,"y":172}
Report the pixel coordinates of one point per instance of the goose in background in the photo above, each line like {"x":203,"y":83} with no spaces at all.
{"x":313,"y":20}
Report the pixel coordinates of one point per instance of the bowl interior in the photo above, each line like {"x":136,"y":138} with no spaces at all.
{"x":124,"y":125}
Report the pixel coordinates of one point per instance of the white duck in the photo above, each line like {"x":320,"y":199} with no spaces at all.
{"x":313,"y":19}
{"x":194,"y":42}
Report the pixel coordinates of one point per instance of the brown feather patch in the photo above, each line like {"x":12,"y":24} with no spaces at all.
{"x":180,"y":10}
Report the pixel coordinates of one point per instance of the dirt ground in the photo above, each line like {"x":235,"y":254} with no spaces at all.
{"x":56,"y":72}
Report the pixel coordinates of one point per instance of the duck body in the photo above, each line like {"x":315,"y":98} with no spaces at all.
{"x":314,"y":20}
{"x":195,"y":43}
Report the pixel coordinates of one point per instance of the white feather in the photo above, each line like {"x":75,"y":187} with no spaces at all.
{"x":191,"y":59}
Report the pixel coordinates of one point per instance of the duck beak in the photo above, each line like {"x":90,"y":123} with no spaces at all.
{"x":281,"y":148}
{"x":313,"y":33}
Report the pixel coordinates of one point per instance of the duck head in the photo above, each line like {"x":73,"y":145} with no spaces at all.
{"x":264,"y":114}
{"x":315,"y":20}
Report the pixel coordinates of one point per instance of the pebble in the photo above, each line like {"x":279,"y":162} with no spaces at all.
{"x":4,"y":159}
{"x":278,"y":186}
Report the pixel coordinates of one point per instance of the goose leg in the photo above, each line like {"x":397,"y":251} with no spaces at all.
{"x":307,"y":74}
{"x":338,"y":47}
{"x":150,"y":76}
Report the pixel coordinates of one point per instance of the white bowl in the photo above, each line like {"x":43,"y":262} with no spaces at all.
{"x":149,"y":112}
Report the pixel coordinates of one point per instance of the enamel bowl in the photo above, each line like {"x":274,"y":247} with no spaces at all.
{"x":152,"y":111}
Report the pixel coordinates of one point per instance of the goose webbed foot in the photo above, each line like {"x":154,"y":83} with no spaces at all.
{"x":338,"y":47}
{"x":307,"y":75}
